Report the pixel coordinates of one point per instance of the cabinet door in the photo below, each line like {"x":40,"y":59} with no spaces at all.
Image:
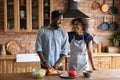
{"x":23,"y":15}
{"x":46,"y":4}
{"x":10,"y":16}
{"x":103,"y":62}
{"x":36,"y":16}
{"x":25,"y":66}
{"x":6,"y":66}
{"x":116,"y":62}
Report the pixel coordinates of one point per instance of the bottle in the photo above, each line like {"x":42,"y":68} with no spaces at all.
{"x":3,"y":51}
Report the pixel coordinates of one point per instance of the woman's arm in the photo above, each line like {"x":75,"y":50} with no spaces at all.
{"x":90,"y":50}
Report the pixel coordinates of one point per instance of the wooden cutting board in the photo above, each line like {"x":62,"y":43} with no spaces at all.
{"x":13,"y":47}
{"x":57,"y":72}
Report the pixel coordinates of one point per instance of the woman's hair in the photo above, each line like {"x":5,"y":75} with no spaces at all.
{"x":83,"y":22}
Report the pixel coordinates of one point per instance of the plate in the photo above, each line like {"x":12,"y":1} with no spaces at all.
{"x":65,"y":75}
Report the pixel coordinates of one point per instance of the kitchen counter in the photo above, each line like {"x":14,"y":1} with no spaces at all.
{"x":97,"y":75}
{"x":7,"y":57}
{"x":94,"y":54}
{"x":9,"y":64}
{"x":103,"y":54}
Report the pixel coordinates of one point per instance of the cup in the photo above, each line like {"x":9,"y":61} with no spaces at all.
{"x":22,"y":14}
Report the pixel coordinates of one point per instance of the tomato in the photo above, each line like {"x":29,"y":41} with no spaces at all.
{"x":50,"y":70}
{"x":72,"y":73}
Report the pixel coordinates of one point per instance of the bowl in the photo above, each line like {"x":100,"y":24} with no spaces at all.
{"x":38,"y":72}
{"x":88,"y":73}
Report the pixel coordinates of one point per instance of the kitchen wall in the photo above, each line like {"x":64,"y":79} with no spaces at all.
{"x":27,"y":40}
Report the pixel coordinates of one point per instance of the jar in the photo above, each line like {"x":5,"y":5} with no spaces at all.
{"x":22,"y":14}
{"x":2,"y":50}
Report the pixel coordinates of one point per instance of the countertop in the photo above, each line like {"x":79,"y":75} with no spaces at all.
{"x":97,"y":75}
{"x":103,"y":54}
{"x":94,"y":54}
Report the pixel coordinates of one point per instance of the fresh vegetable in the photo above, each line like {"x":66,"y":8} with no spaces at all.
{"x":72,"y":73}
{"x":39,"y":74}
{"x":50,"y":70}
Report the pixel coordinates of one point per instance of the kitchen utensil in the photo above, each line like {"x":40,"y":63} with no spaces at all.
{"x":113,"y":8}
{"x":113,"y":24}
{"x":104,"y":7}
{"x":95,"y":5}
{"x":104,"y":26}
{"x":13,"y":47}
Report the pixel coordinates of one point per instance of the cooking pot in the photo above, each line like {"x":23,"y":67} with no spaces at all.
{"x":104,"y":7}
{"x":104,"y":26}
{"x":113,"y":24}
{"x":113,"y":8}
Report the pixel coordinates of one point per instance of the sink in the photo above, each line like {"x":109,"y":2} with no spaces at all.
{"x":27,"y":57}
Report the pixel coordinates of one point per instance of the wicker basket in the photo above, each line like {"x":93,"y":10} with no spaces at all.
{"x":113,"y":49}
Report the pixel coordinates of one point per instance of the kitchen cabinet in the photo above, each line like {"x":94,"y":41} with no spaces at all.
{"x":102,"y":61}
{"x":116,"y":62}
{"x":26,"y":15}
{"x":8,"y":64}
{"x":23,"y":67}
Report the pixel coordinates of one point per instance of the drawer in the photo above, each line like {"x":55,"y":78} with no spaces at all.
{"x":102,"y":58}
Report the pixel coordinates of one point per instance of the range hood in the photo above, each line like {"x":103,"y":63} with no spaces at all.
{"x":73,"y":10}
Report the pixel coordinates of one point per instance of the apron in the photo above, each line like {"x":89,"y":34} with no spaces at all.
{"x":78,"y":55}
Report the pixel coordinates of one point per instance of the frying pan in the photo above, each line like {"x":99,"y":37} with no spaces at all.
{"x":113,"y":8}
{"x":104,"y":7}
{"x":104,"y":25}
{"x":113,"y":24}
{"x":95,"y":5}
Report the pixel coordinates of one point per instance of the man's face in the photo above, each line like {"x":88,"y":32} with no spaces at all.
{"x":58,"y":21}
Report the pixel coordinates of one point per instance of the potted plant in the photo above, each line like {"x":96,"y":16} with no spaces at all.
{"x":115,"y":39}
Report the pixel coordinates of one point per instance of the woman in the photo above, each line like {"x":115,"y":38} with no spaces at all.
{"x":80,"y":45}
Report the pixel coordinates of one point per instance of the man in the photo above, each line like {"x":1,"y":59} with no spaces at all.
{"x":52,"y":43}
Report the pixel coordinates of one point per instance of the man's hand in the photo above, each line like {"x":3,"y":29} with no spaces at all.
{"x":56,"y":66}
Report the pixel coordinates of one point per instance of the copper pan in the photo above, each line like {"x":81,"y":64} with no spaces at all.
{"x":95,"y":5}
{"x":104,"y":7}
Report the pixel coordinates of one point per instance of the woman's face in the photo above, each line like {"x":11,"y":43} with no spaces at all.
{"x":77,"y":27}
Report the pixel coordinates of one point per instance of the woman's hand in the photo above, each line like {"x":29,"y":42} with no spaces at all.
{"x":95,"y":68}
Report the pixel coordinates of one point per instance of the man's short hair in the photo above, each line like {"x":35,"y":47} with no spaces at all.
{"x":56,"y":14}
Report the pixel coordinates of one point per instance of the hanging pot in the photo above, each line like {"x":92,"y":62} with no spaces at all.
{"x":113,"y":24}
{"x":95,"y":5}
{"x":104,"y":26}
{"x":104,"y":7}
{"x":113,"y":8}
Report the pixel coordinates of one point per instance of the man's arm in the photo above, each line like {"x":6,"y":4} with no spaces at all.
{"x":43,"y":60}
